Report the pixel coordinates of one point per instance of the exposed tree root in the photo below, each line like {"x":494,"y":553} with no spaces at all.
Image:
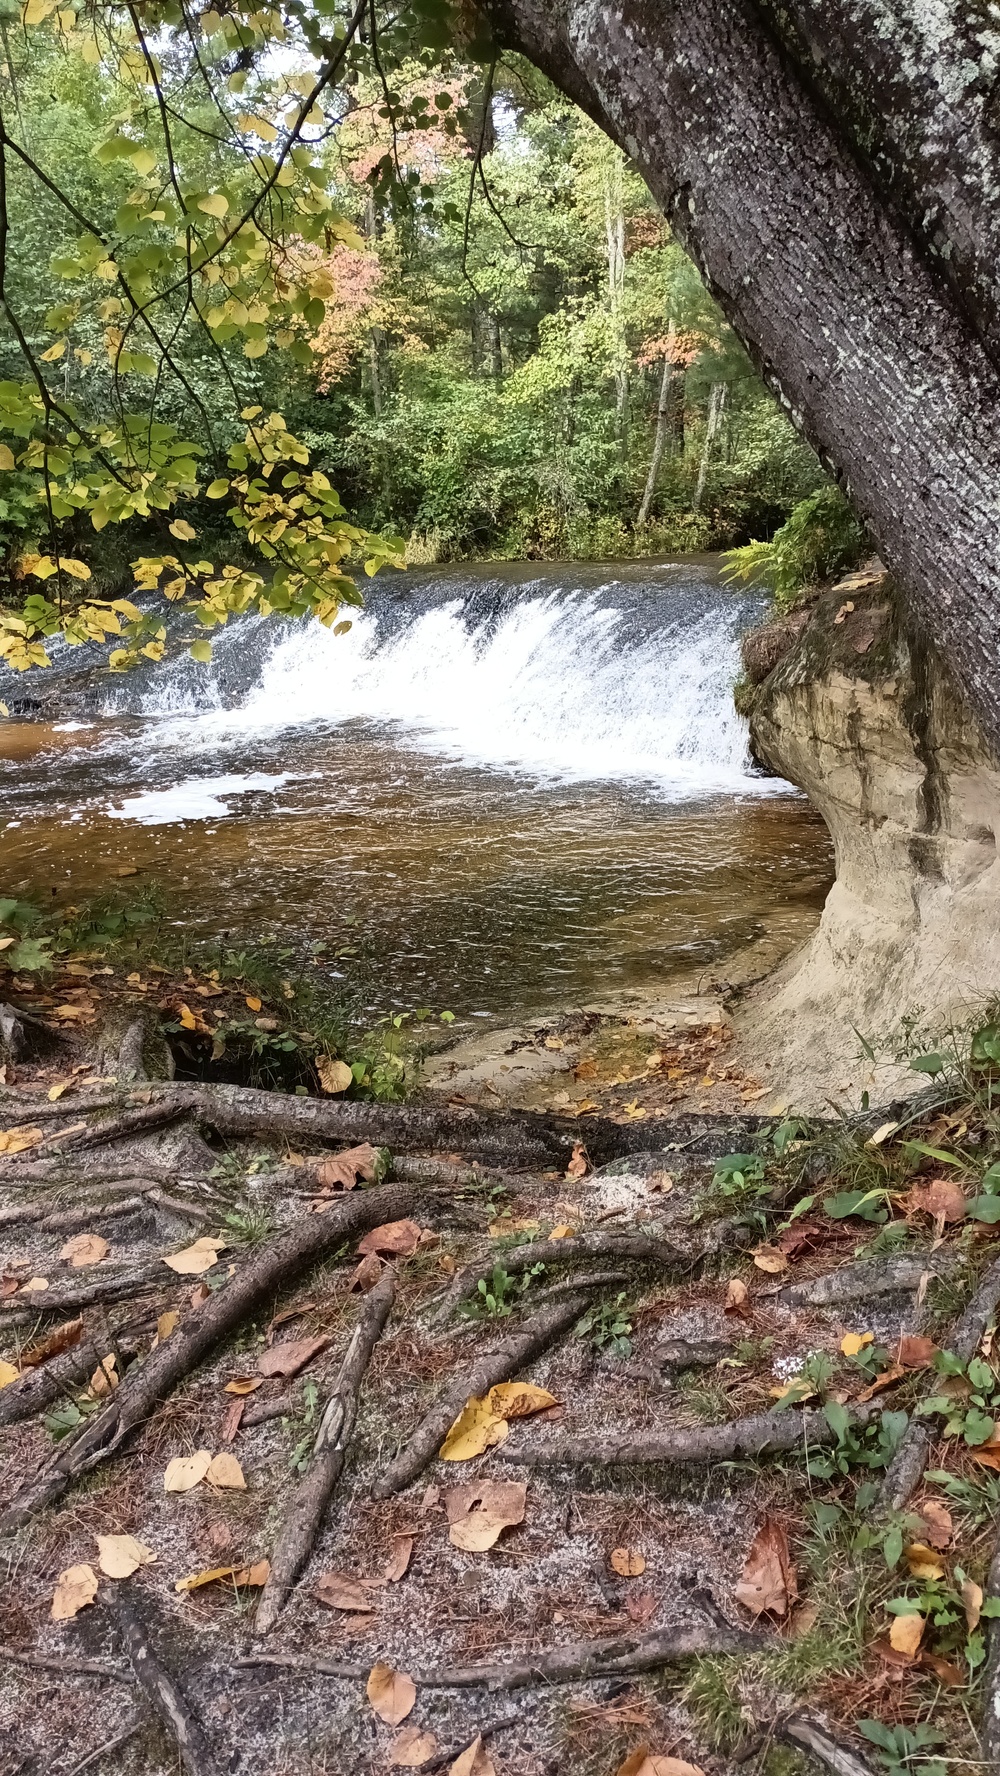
{"x":761,"y":1435}
{"x":622,"y":1657}
{"x":518,"y":1348}
{"x":63,"y":1662}
{"x":103,"y":1751}
{"x":35,"y":1389}
{"x":160,"y":1688}
{"x":904,"y":1472}
{"x":20,"y":1309}
{"x":583,"y":1248}
{"x":273,"y":1266}
{"x":309,"y":1501}
{"x":812,"y":1735}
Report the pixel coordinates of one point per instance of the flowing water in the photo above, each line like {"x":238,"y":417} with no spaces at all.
{"x":521,"y":788}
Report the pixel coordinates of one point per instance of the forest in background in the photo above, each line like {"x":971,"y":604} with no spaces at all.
{"x":514,"y":360}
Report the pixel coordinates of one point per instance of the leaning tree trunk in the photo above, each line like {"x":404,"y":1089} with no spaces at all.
{"x":851,"y":320}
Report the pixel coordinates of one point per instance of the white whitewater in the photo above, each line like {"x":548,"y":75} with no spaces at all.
{"x":558,"y":686}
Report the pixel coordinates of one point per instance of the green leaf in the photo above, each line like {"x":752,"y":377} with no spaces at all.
{"x":878,"y":1734}
{"x":217,"y":489}
{"x":931,"y":1063}
{"x":838,"y":1418}
{"x":948,"y":1159}
{"x":869,"y":1204}
{"x":985,"y":1208}
{"x":978,"y":1428}
{"x":201,"y":650}
{"x":892,"y":1547}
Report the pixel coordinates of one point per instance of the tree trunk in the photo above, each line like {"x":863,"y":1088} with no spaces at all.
{"x":845,"y":308}
{"x":663,"y":416}
{"x":614,"y":227}
{"x":716,"y":402}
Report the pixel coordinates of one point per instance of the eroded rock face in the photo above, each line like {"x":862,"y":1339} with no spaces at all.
{"x":863,"y":715}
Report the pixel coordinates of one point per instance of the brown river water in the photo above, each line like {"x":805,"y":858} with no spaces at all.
{"x":518,"y":789}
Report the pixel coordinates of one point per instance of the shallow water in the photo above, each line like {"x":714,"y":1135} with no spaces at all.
{"x":528,"y":787}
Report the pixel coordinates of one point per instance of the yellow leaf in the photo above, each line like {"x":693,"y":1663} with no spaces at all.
{"x":184,"y":531}
{"x":165,"y":1325}
{"x":187,"y":1471}
{"x":254,"y":348}
{"x":75,"y":1588}
{"x":391,"y":1693}
{"x":8,"y":1373}
{"x":34,"y":1285}
{"x":195,"y":1260}
{"x":225,"y":1471}
{"x":202,"y":652}
{"x":6,"y":457}
{"x":906,"y":1634}
{"x":770,"y":1259}
{"x":475,"y":1429}
{"x":244,"y":1385}
{"x":855,"y":1342}
{"x":923,"y":1562}
{"x":876,"y":1140}
{"x":184,"y":1012}
{"x":628,"y":1562}
{"x":78,"y":570}
{"x":54,"y":352}
{"x":120,"y":1556}
{"x":257,"y":1574}
{"x":216,"y":204}
{"x":254,"y":1004}
{"x":518,"y":1399}
{"x":334,"y":1076}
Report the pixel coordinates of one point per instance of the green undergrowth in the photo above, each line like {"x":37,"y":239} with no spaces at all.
{"x":820,"y":540}
{"x":280,"y":1012}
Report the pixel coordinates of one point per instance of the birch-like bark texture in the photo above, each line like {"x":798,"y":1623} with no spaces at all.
{"x":830,"y":282}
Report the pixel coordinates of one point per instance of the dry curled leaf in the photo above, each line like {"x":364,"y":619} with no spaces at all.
{"x":767,"y":1584}
{"x":972,"y":1603}
{"x":922,"y":1561}
{"x":478,"y":1513}
{"x":196,"y":1259}
{"x":475,"y":1760}
{"x":643,"y":1762}
{"x":412,"y":1748}
{"x":75,"y":1588}
{"x":166,"y":1324}
{"x":770,"y":1259}
{"x":640,"y":1607}
{"x":334,"y":1076}
{"x":225,"y":1471}
{"x":627,"y":1562}
{"x":737,"y":1295}
{"x":937,"y":1522}
{"x":340,"y":1591}
{"x":34,"y":1285}
{"x":802,"y":1621}
{"x":941,"y":1198}
{"x":18,"y":1140}
{"x":289,"y":1358}
{"x":187,"y":1471}
{"x":84,"y":1249}
{"x":945,"y":1670}
{"x":398,"y":1238}
{"x":105,"y":1377}
{"x":243,"y":1384}
{"x":8,"y":1372}
{"x":906,"y":1634}
{"x":579,"y":1164}
{"x":61,"y":1338}
{"x":255,"y":1575}
{"x":399,"y":1559}
{"x":366,"y":1274}
{"x":342,"y":1171}
{"x":391,"y":1693}
{"x":119,"y":1556}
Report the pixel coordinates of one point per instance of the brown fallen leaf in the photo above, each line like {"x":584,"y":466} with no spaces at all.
{"x":334,"y":1076}
{"x":411,"y":1748}
{"x":196,"y":1259}
{"x":339,"y":1591}
{"x":187,"y":1471}
{"x":399,"y":1559}
{"x":200,"y":1295}
{"x":288,"y":1358}
{"x":922,"y":1561}
{"x":802,"y":1621}
{"x":391,"y":1694}
{"x":244,"y":1384}
{"x":225,"y":1471}
{"x":579,"y":1164}
{"x":8,"y":1372}
{"x":844,"y":611}
{"x":232,"y":1420}
{"x":84,"y":1249}
{"x":768,"y":1584}
{"x":475,"y":1760}
{"x":628,"y":1562}
{"x":61,"y":1338}
{"x":941,"y":1198}
{"x":640,"y":1607}
{"x":75,"y":1588}
{"x":643,"y":1762}
{"x":18,"y":1140}
{"x":34,"y":1285}
{"x":220,"y":1536}
{"x":105,"y":1377}
{"x":366,"y":1274}
{"x":937,"y":1522}
{"x":255,"y":1575}
{"x":945,"y":1670}
{"x":988,"y":1457}
{"x":888,"y":1378}
{"x":119,"y":1556}
{"x":478,"y":1513}
{"x":770,"y":1259}
{"x":166,"y":1324}
{"x":399,"y":1238}
{"x":342,"y":1171}
{"x":972,"y":1603}
{"x":916,"y":1353}
{"x":906,"y":1634}
{"x":737,"y":1295}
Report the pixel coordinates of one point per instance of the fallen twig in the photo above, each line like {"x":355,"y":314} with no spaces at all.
{"x":812,"y":1735}
{"x":620,"y":1657}
{"x":20,"y":1309}
{"x":762,"y":1434}
{"x":308,"y":1502}
{"x":68,"y":1666}
{"x":101,"y":1751}
{"x":521,"y":1346}
{"x":904,"y":1472}
{"x":579,"y":1249}
{"x":159,"y":1686}
{"x":273,"y":1266}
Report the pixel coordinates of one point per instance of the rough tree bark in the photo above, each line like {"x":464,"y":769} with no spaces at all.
{"x":805,"y":216}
